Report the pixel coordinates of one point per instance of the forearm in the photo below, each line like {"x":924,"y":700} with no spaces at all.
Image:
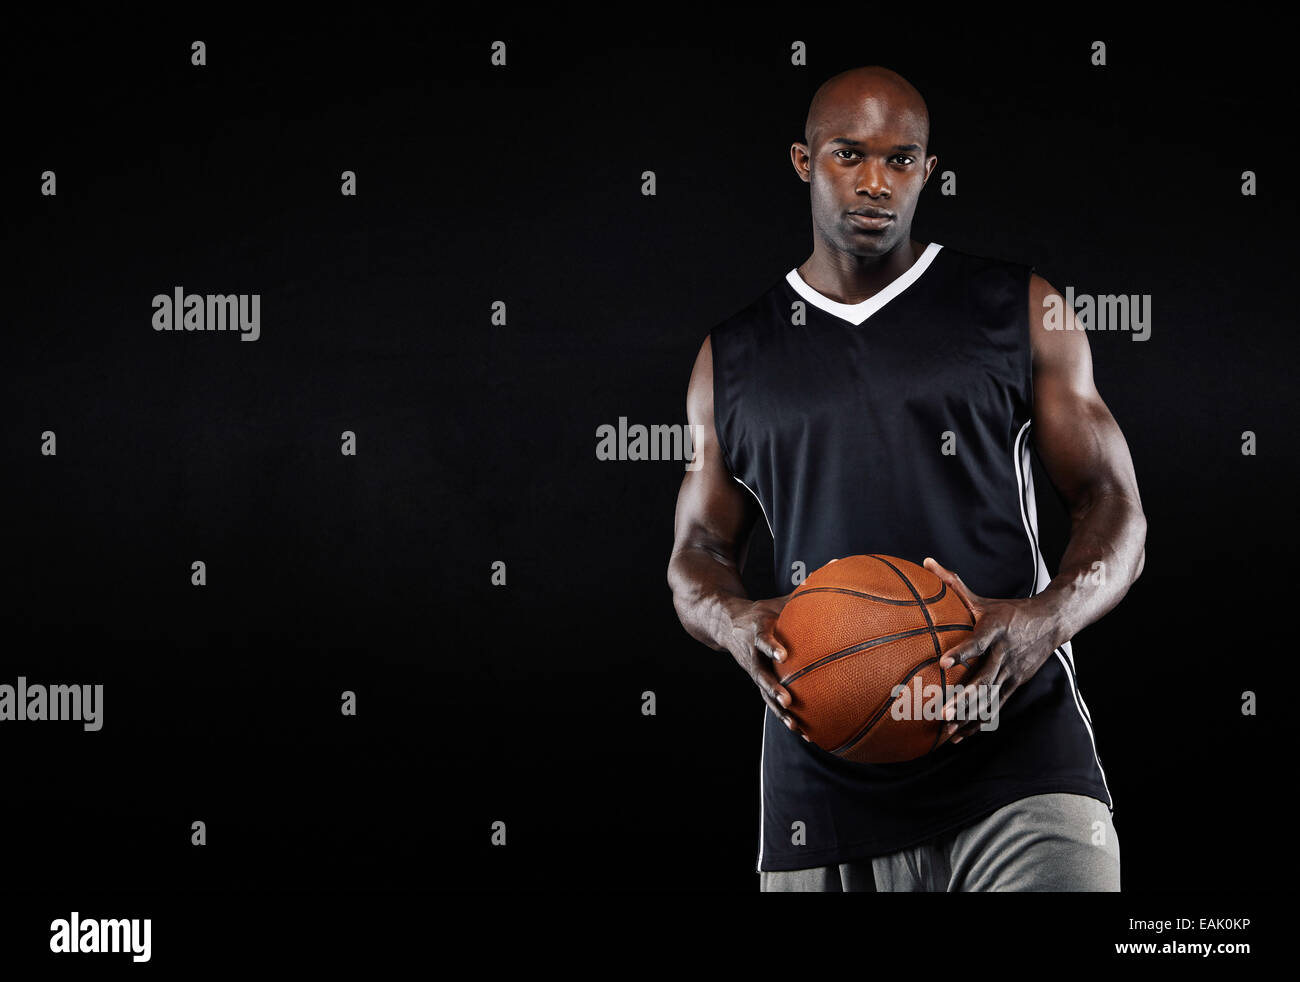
{"x":1105,"y":554}
{"x":707,"y":591}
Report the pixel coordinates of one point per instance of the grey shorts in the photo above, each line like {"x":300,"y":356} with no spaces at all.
{"x":1046,"y":842}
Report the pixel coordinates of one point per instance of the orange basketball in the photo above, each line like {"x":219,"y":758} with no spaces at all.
{"x":853,"y":631}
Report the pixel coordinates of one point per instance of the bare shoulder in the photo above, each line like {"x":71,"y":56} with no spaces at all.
{"x":1058,"y":342}
{"x":699,"y":394}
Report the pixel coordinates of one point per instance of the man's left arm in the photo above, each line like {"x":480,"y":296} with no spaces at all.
{"x":1087,"y":459}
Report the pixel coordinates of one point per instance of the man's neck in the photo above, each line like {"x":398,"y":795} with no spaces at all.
{"x":851,"y":279}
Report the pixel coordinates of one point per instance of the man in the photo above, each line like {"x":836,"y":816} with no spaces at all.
{"x":825,"y":407}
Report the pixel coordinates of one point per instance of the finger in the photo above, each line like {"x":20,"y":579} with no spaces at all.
{"x":963,"y":728}
{"x":960,"y":729}
{"x":774,"y":707}
{"x":777,"y":696}
{"x":782,"y":695}
{"x":949,"y":732}
{"x":960,"y":654}
{"x":960,"y":733}
{"x":968,"y":651}
{"x":956,"y":583}
{"x":965,"y":720}
{"x":932,"y":564}
{"x":961,"y":702}
{"x":1005,"y":684}
{"x":982,"y":677}
{"x":782,"y":698}
{"x":788,"y":719}
{"x":770,"y":647}
{"x":770,"y":683}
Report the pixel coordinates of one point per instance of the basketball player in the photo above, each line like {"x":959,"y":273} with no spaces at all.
{"x":823,"y":407}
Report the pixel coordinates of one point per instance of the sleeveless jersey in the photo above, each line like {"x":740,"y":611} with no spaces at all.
{"x":836,"y":424}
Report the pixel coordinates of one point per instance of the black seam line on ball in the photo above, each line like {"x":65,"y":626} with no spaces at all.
{"x":943,"y":589}
{"x":934,"y":637}
{"x":924,"y":610}
{"x":875,"y":717}
{"x":862,"y":645}
{"x":912,"y":590}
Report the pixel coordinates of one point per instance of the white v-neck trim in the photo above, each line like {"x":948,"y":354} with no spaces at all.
{"x":856,"y":313}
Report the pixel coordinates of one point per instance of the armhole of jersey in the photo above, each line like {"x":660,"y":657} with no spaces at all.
{"x":719,"y":400}
{"x":1029,"y":340}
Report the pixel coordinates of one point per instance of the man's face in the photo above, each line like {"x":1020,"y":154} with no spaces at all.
{"x":866,"y":168}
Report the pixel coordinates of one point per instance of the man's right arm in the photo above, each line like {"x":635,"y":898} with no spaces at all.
{"x":714,"y":521}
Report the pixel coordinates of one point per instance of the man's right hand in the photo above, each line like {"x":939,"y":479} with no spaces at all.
{"x":752,"y":642}
{"x":712,"y":526}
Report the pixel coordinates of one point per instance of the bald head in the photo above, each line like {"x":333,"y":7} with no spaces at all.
{"x":868,"y":94}
{"x":865,"y":160}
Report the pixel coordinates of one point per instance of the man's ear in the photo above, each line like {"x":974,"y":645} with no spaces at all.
{"x":802,"y":159}
{"x":931,"y":162}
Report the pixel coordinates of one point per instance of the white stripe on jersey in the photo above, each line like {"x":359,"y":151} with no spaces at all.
{"x":1029,"y":516}
{"x":760,"y":505}
{"x":762,"y":815}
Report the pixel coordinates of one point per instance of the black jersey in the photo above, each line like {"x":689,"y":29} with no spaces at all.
{"x":899,"y":425}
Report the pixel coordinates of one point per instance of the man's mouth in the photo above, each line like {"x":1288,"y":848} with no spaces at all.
{"x":871,"y":219}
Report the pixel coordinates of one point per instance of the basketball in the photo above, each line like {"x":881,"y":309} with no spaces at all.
{"x":853,"y":631}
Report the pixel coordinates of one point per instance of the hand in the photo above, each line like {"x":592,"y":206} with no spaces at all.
{"x":752,"y":641}
{"x":1012,"y":640}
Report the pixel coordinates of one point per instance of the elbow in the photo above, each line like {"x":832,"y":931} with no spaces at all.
{"x":676,"y":584}
{"x":671,"y":576}
{"x":1142,"y":543}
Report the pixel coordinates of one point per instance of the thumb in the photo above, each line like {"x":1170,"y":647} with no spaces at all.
{"x":955,"y":583}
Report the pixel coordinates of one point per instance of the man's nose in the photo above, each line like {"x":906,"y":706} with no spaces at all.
{"x":873,"y":180}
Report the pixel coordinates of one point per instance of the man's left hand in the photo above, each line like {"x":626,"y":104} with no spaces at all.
{"x":1012,"y":640}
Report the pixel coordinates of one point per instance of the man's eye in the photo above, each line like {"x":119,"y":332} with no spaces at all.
{"x":838,"y":152}
{"x":903,"y":158}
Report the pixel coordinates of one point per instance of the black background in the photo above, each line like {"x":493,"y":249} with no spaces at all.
{"x":476,"y":442}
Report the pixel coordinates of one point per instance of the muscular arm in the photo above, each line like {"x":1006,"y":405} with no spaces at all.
{"x":1087,"y":458}
{"x":712,"y":526}
{"x":711,"y":530}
